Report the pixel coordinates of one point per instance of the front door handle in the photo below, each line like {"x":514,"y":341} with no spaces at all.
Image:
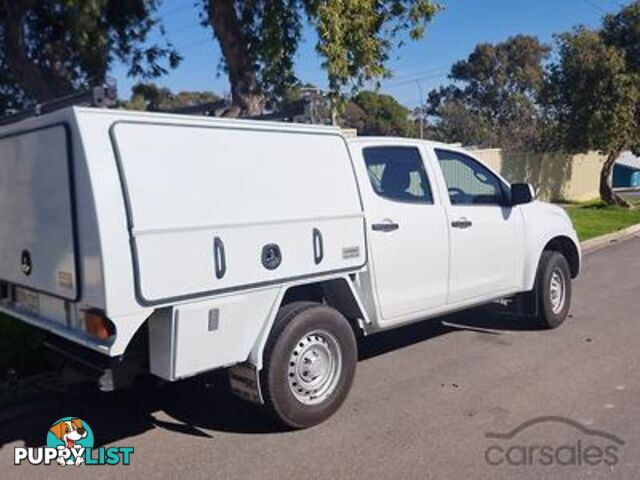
{"x":386,"y":226}
{"x":461,"y":223}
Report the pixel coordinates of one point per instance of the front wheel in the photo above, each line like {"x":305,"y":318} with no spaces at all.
{"x":309,"y":364}
{"x":553,"y":286}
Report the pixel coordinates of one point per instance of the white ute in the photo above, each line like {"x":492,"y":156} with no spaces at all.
{"x":175,"y":245}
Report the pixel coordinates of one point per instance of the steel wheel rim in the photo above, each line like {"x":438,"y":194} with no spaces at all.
{"x":557,"y":290}
{"x":314,"y":367}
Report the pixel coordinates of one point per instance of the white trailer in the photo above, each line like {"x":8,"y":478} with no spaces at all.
{"x":196,"y":244}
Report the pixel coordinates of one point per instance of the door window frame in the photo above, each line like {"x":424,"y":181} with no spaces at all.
{"x":504,"y":186}
{"x":427,"y":175}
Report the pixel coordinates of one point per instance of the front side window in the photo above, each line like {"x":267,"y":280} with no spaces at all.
{"x":468,"y":181}
{"x":397,"y":173}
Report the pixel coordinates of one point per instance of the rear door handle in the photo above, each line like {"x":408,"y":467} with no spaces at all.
{"x":219,"y":258}
{"x":462,"y":223}
{"x":318,"y":247}
{"x":387,"y":226}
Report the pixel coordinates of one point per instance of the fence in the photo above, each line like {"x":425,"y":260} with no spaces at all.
{"x":555,"y":176}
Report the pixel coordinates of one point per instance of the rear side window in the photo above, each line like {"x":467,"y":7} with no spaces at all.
{"x":397,"y":173}
{"x":468,"y":181}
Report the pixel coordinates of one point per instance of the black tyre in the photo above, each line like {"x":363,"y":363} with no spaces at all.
{"x":553,"y":286}
{"x":309,"y":364}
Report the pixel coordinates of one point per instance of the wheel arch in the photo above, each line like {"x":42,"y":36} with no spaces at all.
{"x":336,"y":292}
{"x":563,"y":244}
{"x":566,"y":246}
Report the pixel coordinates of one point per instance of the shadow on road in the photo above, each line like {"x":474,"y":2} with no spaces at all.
{"x":491,"y":319}
{"x":203,"y":404}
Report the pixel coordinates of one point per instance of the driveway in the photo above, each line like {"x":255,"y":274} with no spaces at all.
{"x":630,"y":195}
{"x":424,"y":400}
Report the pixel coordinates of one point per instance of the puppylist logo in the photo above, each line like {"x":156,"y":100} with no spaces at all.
{"x":70,"y":442}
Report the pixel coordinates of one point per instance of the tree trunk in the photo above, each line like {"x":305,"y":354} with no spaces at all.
{"x":245,"y":93}
{"x":607,"y":195}
{"x":36,"y":82}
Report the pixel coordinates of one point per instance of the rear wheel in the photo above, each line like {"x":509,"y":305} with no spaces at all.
{"x":553,"y":286}
{"x":309,"y":364}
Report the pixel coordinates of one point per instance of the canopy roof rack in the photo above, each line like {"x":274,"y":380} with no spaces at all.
{"x":296,"y":111}
{"x":103,"y":96}
{"x":208,"y":109}
{"x":106,"y":96}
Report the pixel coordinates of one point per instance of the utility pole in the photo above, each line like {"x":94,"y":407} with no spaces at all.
{"x":420,"y":108}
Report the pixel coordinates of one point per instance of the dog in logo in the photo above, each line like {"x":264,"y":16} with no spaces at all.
{"x":69,"y":432}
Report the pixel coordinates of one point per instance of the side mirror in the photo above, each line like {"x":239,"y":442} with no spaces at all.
{"x":521,"y":193}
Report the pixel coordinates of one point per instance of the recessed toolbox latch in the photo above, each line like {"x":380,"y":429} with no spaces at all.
{"x":26,"y":263}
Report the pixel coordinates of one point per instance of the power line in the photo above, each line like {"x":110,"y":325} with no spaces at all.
{"x":595,"y":5}
{"x":416,"y":73}
{"x":617,"y":3}
{"x":413,"y":80}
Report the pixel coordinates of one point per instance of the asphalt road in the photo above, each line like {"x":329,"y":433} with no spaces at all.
{"x":424,"y":399}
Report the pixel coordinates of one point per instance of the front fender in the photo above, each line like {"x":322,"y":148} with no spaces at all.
{"x":544,"y":224}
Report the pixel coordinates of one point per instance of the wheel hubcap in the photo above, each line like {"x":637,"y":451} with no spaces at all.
{"x":314,"y":367}
{"x":557,"y":291}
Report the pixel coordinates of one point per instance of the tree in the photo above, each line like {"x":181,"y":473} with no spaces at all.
{"x":372,"y":113}
{"x":51,"y":48}
{"x":259,"y":39}
{"x":594,"y":94}
{"x":622,"y":31}
{"x":492,"y":101}
{"x":148,"y":96}
{"x":450,"y":119}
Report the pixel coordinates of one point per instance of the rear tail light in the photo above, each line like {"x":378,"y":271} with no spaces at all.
{"x":97,"y":325}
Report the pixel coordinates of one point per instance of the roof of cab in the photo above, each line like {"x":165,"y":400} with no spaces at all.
{"x":400,"y":141}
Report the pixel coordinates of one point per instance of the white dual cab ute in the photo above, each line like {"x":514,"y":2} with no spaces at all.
{"x":176,"y":245}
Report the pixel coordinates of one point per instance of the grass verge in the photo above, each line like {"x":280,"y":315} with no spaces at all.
{"x":595,"y":219}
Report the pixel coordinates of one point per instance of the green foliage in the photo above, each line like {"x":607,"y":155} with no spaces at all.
{"x":357,"y":35}
{"x":454,"y":121}
{"x":148,"y":96}
{"x":273,"y":30}
{"x":493,"y":100}
{"x":593,"y":95}
{"x":53,"y":47}
{"x":373,"y":113}
{"x":622,"y":31}
{"x":598,"y":219}
{"x":355,"y":38}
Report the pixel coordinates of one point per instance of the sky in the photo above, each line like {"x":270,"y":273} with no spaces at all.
{"x":417,"y":67}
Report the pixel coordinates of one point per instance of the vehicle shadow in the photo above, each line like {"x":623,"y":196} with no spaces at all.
{"x":491,"y":319}
{"x":188,"y":407}
{"x":204,"y":404}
